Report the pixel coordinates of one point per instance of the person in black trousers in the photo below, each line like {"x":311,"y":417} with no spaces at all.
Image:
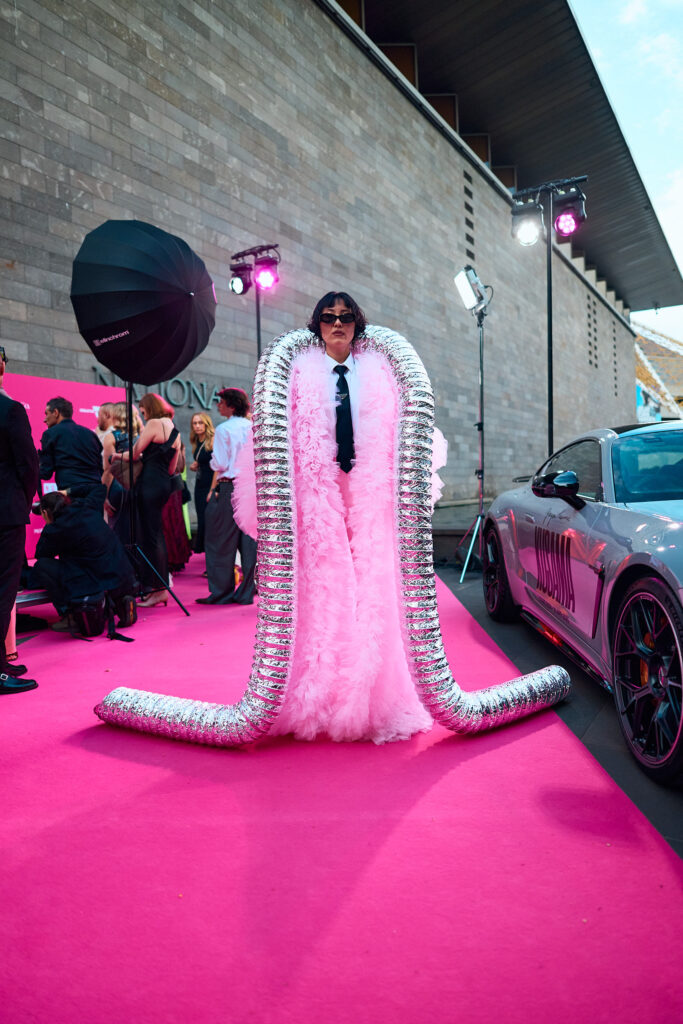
{"x":223,"y":536}
{"x":73,"y":454}
{"x":18,"y":482}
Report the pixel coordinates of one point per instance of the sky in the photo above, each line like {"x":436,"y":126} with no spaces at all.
{"x":637,"y":49}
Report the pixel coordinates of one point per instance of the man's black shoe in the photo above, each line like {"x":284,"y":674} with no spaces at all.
{"x":211,"y":599}
{"x":8,"y":684}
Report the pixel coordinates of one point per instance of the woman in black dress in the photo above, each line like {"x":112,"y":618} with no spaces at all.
{"x":158,"y":446}
{"x":202,"y":431}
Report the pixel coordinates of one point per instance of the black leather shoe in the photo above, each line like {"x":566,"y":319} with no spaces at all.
{"x":208,"y":600}
{"x":8,"y":684}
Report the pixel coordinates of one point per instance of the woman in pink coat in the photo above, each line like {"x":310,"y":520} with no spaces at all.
{"x":350,"y":678}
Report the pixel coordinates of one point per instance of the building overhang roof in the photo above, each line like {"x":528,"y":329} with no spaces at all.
{"x":523,"y":75}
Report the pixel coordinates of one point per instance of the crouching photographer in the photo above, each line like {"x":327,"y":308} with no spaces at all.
{"x":84,"y":568}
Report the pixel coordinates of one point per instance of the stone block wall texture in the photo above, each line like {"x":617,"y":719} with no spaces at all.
{"x":234,"y":124}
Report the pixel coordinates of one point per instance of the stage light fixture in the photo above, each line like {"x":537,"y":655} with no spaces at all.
{"x":258,"y":267}
{"x":265,"y":272}
{"x":240,"y":281}
{"x":569,"y":207}
{"x":527,"y":221}
{"x":471,"y":290}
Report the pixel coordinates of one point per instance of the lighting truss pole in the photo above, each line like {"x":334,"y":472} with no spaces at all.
{"x":258,"y":267}
{"x":542,"y":197}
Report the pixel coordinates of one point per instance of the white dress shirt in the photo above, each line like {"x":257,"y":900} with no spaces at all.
{"x":229,"y":438}
{"x":351,"y":379}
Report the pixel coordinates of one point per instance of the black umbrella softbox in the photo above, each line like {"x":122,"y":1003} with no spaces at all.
{"x":143,"y":300}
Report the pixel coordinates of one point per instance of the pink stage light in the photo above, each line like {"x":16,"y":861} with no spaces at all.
{"x":566,"y":223}
{"x":266,"y":278}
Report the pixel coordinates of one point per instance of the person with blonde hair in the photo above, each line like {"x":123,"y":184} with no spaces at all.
{"x":158,"y":447}
{"x":202,"y":432}
{"x":116,"y":440}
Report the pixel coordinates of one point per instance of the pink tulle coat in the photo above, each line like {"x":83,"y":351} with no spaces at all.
{"x":350,"y":678}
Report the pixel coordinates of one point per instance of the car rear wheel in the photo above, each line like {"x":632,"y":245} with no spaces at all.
{"x":499,"y":603}
{"x":647,"y":669}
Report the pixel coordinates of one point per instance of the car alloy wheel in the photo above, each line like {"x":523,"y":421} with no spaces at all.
{"x":499,"y":603}
{"x":647,"y":673}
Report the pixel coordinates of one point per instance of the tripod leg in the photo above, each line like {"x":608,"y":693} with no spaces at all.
{"x":164,"y":583}
{"x":475,"y":533}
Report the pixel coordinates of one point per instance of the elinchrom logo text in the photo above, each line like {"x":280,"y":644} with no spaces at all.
{"x":112,"y":337}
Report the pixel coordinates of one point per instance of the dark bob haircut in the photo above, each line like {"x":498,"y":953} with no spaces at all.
{"x":329,"y":300}
{"x":236,"y":399}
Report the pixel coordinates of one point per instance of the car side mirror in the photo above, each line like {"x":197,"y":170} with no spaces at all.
{"x":559,"y":485}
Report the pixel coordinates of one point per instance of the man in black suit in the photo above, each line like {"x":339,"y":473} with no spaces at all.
{"x":71,"y":452}
{"x":18,"y":482}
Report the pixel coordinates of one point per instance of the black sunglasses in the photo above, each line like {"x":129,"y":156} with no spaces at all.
{"x":331,"y":318}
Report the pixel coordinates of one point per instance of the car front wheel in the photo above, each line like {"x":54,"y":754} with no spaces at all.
{"x":647,"y":671}
{"x":499,"y":603}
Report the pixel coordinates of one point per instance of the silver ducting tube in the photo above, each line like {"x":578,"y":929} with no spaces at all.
{"x":251,"y":717}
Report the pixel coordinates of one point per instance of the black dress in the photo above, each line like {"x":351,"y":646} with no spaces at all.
{"x":202,"y":486}
{"x":152,"y":491}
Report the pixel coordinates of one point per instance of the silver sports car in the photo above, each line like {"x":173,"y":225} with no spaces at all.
{"x":590,"y":552}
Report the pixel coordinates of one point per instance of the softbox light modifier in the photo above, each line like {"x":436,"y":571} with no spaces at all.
{"x":144,"y":301}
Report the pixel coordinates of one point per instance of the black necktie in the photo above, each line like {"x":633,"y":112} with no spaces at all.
{"x":345,"y":452}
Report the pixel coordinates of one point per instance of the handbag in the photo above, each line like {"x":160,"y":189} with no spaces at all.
{"x":120,"y":470}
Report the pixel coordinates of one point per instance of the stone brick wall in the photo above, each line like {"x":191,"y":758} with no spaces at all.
{"x":234,"y":124}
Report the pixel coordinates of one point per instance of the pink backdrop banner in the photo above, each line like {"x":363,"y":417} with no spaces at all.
{"x":34,"y":393}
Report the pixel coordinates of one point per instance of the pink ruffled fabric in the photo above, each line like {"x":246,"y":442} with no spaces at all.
{"x":350,"y":678}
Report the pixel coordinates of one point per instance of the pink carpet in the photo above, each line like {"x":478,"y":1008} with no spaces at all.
{"x":496,"y":878}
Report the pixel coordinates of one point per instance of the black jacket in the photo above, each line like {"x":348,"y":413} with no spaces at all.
{"x":18,"y":464}
{"x":74,"y":454}
{"x":91,"y":555}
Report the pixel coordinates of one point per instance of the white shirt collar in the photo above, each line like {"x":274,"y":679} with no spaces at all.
{"x":348,"y":362}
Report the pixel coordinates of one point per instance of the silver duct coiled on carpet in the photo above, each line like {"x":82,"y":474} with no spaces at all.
{"x":251,"y":717}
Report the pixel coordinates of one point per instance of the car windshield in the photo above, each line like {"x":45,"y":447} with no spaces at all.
{"x":648,"y":467}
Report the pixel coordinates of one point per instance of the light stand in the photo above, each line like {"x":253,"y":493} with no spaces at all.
{"x":473,"y":294}
{"x":135,"y":550}
{"x":562,"y":197}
